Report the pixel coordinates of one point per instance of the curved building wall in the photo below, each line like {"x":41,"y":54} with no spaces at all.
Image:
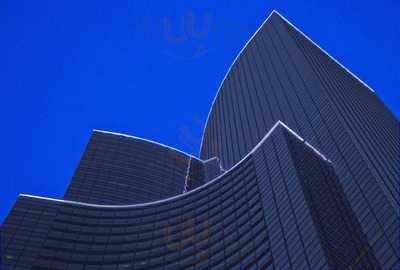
{"x":267,"y":212}
{"x":119,"y":169}
{"x":24,"y":231}
{"x":282,"y":75}
{"x":220,"y":226}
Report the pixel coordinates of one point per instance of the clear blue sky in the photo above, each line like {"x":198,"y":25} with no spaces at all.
{"x":139,"y":67}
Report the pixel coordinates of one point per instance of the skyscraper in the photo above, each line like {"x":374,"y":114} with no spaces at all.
{"x":298,"y":169}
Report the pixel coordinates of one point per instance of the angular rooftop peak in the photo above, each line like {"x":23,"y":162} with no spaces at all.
{"x":276,"y":13}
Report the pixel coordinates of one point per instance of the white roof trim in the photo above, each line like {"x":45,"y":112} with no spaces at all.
{"x":244,"y":47}
{"x":147,"y":140}
{"x":226,"y":75}
{"x":278,"y":123}
{"x":325,"y":52}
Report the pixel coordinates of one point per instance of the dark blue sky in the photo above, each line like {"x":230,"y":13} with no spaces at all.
{"x":149,"y":69}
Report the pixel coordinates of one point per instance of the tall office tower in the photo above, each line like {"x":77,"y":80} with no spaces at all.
{"x":298,"y":169}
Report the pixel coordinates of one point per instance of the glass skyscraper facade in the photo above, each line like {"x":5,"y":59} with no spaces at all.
{"x":299,"y":168}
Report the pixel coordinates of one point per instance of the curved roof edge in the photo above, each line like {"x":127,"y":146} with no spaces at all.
{"x":161,"y":145}
{"x":276,"y":125}
{"x":149,"y":141}
{"x":226,"y":75}
{"x":274,"y":12}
